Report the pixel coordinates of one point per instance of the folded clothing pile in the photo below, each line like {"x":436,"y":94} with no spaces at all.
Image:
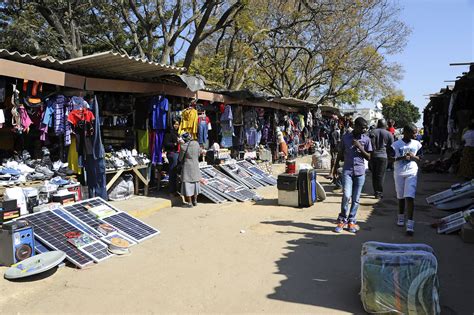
{"x":400,"y":278}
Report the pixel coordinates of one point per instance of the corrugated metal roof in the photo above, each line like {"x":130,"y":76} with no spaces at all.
{"x":294,"y":102}
{"x":103,"y":65}
{"x":42,"y":61}
{"x":119,"y":66}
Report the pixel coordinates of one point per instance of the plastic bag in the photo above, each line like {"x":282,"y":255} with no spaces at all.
{"x":400,"y":278}
{"x":321,"y":159}
{"x":123,"y":188}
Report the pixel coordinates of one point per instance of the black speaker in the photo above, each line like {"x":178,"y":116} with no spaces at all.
{"x":17,"y":242}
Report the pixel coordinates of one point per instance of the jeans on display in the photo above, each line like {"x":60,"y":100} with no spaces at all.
{"x":173,"y":161}
{"x":378,"y":167}
{"x":96,"y":181}
{"x":202,"y":132}
{"x":352,"y":187}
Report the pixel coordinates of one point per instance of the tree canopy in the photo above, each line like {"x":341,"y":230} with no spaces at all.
{"x":326,"y":50}
{"x":400,"y":110}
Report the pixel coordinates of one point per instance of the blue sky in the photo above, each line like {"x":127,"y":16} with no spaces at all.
{"x":442,"y":33}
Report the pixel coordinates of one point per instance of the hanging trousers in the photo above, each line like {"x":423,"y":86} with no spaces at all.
{"x":96,"y":181}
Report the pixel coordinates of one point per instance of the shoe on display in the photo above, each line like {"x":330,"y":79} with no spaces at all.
{"x":25,"y":169}
{"x":46,"y":161}
{"x":44,"y":170}
{"x":132,"y":160}
{"x":32,"y":163}
{"x":134,"y":152}
{"x":25,"y":155}
{"x":66,"y":170}
{"x":59,"y":181}
{"x":45,"y":151}
{"x":35,"y":176}
{"x":57,"y":165}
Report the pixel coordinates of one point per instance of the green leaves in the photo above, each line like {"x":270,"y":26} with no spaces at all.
{"x":400,"y":110}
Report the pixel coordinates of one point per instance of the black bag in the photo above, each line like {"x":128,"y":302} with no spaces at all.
{"x":287,"y":182}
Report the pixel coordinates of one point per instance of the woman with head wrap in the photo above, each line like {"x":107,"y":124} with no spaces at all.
{"x":190,"y":173}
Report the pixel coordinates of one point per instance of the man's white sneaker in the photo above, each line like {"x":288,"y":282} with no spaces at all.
{"x":401,"y":220}
{"x":410,"y":227}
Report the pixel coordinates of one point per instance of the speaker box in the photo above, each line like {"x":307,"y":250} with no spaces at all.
{"x":16,"y":243}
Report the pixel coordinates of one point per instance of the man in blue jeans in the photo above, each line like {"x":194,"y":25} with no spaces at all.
{"x":355,"y":149}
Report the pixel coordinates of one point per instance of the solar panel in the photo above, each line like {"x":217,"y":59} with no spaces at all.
{"x":97,"y":250}
{"x":51,"y":229}
{"x":73,"y":221}
{"x":79,"y":210}
{"x":121,"y":221}
{"x":130,"y":226}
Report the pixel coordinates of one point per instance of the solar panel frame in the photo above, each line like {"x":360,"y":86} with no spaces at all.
{"x":41,"y":222}
{"x":93,"y":249}
{"x":108,"y":237}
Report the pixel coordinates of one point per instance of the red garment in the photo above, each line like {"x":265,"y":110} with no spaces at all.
{"x":78,"y":115}
{"x":391,"y":130}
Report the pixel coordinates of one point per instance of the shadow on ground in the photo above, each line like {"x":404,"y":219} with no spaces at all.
{"x":322,"y":268}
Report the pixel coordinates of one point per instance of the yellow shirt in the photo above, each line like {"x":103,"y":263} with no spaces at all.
{"x":189,"y":122}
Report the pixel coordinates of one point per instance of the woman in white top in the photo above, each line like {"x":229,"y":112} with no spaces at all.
{"x":466,"y":167}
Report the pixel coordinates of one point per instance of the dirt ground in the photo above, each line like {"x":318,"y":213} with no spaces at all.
{"x":250,"y":258}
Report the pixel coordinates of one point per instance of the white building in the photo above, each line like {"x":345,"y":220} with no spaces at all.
{"x":370,"y":114}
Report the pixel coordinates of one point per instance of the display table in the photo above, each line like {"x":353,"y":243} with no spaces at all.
{"x":138,"y":177}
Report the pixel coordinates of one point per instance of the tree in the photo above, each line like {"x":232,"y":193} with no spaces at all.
{"x":400,"y":110}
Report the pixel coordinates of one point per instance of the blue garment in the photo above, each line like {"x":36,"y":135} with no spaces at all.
{"x":354,"y":162}
{"x":59,"y":102}
{"x":253,"y":137}
{"x":157,"y":155}
{"x":96,"y":182}
{"x":48,"y":113}
{"x":226,"y":141}
{"x":352,"y":187}
{"x":203,"y":130}
{"x":98,"y":151}
{"x":78,"y":102}
{"x":159,"y":111}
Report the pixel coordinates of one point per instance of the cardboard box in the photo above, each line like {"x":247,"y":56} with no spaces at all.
{"x":467,"y":233}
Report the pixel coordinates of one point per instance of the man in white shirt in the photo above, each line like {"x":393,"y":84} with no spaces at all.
{"x":405,"y":175}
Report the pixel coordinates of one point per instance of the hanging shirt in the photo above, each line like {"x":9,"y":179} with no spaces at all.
{"x":189,"y":122}
{"x":159,"y":111}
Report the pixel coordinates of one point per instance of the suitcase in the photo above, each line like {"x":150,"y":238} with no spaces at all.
{"x":304,"y":188}
{"x":287,"y":182}
{"x":288,"y":198}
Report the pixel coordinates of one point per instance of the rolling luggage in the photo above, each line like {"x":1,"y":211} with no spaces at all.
{"x":304,"y":188}
{"x":287,"y":182}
